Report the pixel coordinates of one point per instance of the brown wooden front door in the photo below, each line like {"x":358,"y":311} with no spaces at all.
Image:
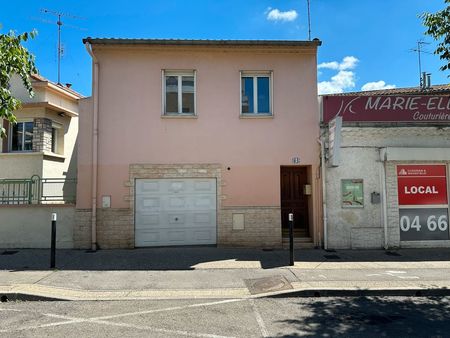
{"x":294,"y":201}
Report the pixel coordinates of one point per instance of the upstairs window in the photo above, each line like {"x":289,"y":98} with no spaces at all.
{"x":22,"y":136}
{"x":256,"y":92}
{"x":179,"y":92}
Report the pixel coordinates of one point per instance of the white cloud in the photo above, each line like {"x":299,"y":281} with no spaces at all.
{"x":277,"y":15}
{"x":343,"y":80}
{"x":348,"y":62}
{"x":329,"y":65}
{"x":376,"y":86}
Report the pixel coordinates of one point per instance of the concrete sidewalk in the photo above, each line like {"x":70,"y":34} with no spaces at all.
{"x":207,"y":272}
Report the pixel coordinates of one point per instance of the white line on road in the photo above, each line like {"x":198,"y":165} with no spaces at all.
{"x":259,"y":319}
{"x":101,"y":320}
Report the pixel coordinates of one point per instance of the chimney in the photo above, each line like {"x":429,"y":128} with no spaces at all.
{"x":428,"y":80}
{"x":423,"y":81}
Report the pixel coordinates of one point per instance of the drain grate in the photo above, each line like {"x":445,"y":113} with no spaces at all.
{"x":9,"y":252}
{"x":331,"y":256}
{"x":267,"y":284}
{"x":392,"y":253}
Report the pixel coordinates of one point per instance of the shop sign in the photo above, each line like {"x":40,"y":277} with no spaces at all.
{"x":387,"y":108}
{"x":352,"y":193}
{"x":423,"y":185}
{"x":424,"y":224}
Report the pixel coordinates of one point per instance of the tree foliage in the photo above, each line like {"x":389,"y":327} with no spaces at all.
{"x":438,"y":27}
{"x":14,"y":59}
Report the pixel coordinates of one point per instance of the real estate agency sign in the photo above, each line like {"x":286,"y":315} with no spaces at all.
{"x":387,"y":108}
{"x":423,"y":202}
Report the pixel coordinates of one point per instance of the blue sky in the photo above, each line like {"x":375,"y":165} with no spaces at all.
{"x":366,"y":44}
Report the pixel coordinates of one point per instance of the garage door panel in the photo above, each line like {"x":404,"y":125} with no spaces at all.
{"x":204,"y":202}
{"x":203,"y":186}
{"x":175,"y":212}
{"x":204,"y":235}
{"x":145,"y":187}
{"x":176,"y":202}
{"x":149,"y":221}
{"x":145,"y":204}
{"x":148,"y":238}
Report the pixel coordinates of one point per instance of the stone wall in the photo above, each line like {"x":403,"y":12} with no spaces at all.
{"x":82,"y":229}
{"x":261,"y":227}
{"x":42,"y":135}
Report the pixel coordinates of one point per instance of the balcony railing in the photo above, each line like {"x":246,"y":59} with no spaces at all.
{"x":36,"y":190}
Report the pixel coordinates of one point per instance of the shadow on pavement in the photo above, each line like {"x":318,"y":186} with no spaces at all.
{"x":190,"y":258}
{"x":180,"y":258}
{"x":371,"y":317}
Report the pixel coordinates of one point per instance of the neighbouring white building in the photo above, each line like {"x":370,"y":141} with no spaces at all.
{"x":38,"y":166}
{"x":387,"y":168}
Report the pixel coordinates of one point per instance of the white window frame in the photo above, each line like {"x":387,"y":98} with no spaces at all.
{"x":10,"y":136}
{"x":255,"y":75}
{"x":57,"y":127}
{"x":179,"y":74}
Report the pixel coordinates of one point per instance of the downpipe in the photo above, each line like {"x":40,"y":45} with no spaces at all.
{"x":95,"y":86}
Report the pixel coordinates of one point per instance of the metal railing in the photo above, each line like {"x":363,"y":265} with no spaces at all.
{"x":36,"y":190}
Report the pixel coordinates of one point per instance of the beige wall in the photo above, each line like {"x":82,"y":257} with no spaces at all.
{"x":20,"y":165}
{"x":132,"y":130}
{"x":29,"y":226}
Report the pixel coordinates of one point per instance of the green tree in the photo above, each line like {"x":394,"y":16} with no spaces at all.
{"x":14,"y":59}
{"x":438,"y":27}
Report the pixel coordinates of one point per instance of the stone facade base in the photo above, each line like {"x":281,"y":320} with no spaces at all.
{"x":255,"y":227}
{"x":236,"y":226}
{"x":250,"y":227}
{"x":82,"y":229}
{"x":115,"y":229}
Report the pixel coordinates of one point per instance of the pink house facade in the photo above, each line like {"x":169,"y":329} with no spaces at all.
{"x":199,"y":142}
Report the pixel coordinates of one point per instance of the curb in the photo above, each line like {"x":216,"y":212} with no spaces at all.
{"x":412,"y":292}
{"x":60,"y":295}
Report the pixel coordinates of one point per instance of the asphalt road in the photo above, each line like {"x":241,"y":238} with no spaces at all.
{"x":265,"y":317}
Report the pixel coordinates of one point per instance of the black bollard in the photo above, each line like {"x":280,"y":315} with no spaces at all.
{"x":291,"y":239}
{"x":53,"y":242}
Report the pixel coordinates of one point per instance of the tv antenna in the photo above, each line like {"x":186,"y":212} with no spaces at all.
{"x":419,"y":51}
{"x":309,"y":20}
{"x":59,"y":15}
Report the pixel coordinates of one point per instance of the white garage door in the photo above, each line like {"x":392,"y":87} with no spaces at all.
{"x":175,"y":212}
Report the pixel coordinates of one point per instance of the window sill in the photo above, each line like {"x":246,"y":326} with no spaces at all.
{"x":256,"y":116}
{"x":53,"y":157}
{"x":21,"y":153}
{"x":179,"y":116}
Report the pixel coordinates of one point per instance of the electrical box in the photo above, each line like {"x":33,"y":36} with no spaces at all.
{"x":307,"y":190}
{"x":106,"y":201}
{"x":375,"y":198}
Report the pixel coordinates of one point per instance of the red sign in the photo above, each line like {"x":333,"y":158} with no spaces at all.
{"x":422,"y":184}
{"x":387,"y":108}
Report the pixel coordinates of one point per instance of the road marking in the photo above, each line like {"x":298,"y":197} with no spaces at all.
{"x":259,"y":319}
{"x":174,"y":308}
{"x":395,"y":271}
{"x":101,"y":320}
